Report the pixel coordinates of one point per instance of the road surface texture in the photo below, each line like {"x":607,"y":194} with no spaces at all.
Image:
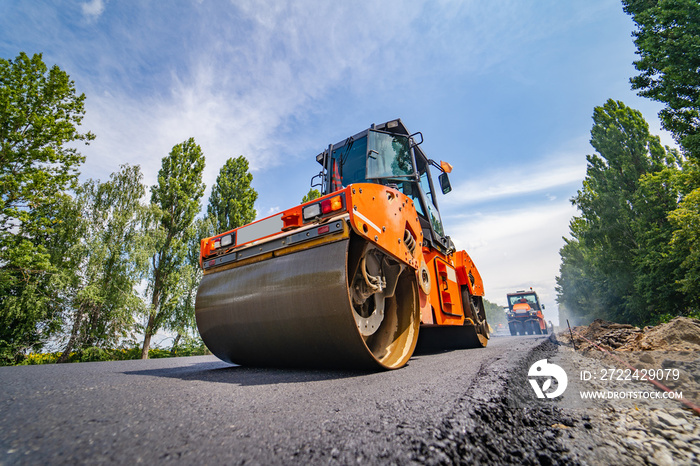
{"x":462,"y":406}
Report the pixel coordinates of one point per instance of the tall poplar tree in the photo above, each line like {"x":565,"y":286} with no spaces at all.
{"x":232,"y":197}
{"x":182,"y":320}
{"x":177,"y":195}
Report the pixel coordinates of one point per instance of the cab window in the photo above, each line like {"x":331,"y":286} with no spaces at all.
{"x":389,"y":156}
{"x":349,"y":161}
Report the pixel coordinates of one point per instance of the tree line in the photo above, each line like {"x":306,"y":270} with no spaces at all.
{"x":634,"y":251}
{"x":93,"y":264}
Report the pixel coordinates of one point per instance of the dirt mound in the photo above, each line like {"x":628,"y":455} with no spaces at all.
{"x":673,"y":347}
{"x":607,"y":335}
{"x":680,"y":334}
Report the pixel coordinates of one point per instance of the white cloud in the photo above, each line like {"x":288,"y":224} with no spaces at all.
{"x":514,"y":238}
{"x":557,"y":171}
{"x":93,"y":9}
{"x":270,"y":211}
{"x":278,"y":62}
{"x":236,"y":97}
{"x":517,"y":248}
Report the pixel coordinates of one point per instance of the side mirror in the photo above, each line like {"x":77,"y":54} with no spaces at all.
{"x":444,"y":183}
{"x":543,"y":306}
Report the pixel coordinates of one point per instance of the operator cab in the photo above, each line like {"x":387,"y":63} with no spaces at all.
{"x":388,"y":154}
{"x":529,"y":297}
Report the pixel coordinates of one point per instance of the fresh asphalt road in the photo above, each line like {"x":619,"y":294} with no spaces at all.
{"x":201,"y":410}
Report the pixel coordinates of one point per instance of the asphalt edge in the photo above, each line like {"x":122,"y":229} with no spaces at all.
{"x":500,"y":421}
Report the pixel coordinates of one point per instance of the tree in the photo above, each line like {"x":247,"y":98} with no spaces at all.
{"x":232,"y":197}
{"x":33,"y":296}
{"x":686,"y":239}
{"x":182,"y":320}
{"x":621,"y":137}
{"x":311,"y":195}
{"x":582,"y":291}
{"x":40,"y":113}
{"x":658,"y":264}
{"x":494,"y":313}
{"x":668,"y":43}
{"x":109,"y":248}
{"x":40,"y":116}
{"x":624,"y":203}
{"x":177,"y":195}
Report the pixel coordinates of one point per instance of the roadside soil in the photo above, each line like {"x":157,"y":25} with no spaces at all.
{"x":638,"y":425}
{"x":500,"y":421}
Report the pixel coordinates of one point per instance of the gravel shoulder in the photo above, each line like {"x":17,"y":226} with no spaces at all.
{"x":636,"y":422}
{"x":625,"y":431}
{"x":500,"y":421}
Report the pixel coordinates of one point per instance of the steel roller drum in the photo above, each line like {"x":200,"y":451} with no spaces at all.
{"x":295,"y":310}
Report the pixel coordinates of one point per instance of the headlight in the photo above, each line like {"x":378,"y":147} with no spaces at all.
{"x":311,"y":211}
{"x":226,"y":240}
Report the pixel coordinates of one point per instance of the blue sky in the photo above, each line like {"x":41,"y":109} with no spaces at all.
{"x":503,"y":90}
